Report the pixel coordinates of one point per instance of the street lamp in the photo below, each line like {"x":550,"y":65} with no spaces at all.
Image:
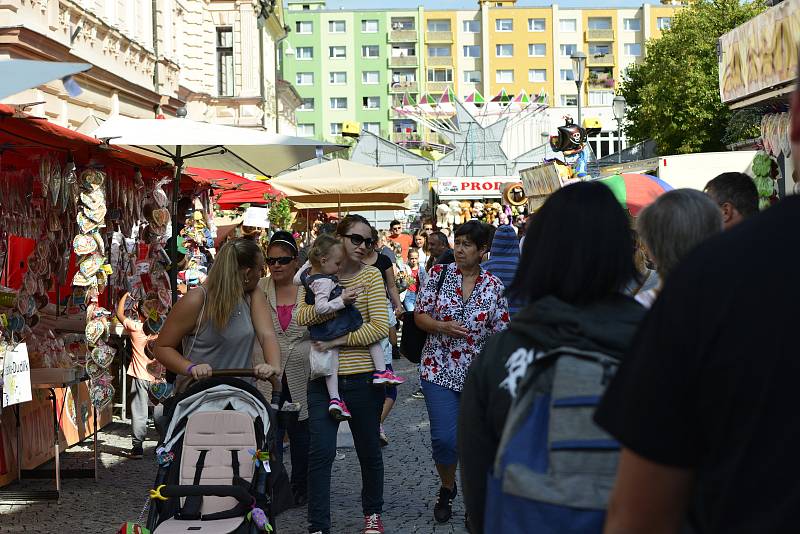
{"x":618,"y":107}
{"x":545,"y":141}
{"x":578,"y":65}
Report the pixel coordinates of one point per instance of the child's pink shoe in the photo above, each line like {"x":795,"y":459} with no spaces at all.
{"x":338,"y":410}
{"x":386,"y":377}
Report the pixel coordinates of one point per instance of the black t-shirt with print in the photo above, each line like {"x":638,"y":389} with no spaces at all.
{"x":711,"y":382}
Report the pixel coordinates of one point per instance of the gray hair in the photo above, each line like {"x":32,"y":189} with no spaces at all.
{"x":675,"y":223}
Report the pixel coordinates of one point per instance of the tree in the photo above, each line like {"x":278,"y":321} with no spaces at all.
{"x":673,"y":95}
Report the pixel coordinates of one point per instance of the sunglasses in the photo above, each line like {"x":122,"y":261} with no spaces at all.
{"x":357,"y":240}
{"x":283,"y":260}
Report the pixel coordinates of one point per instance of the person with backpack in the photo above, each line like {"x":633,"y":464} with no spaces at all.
{"x":531,"y":458}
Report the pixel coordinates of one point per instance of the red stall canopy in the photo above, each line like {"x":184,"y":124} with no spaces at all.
{"x":235,"y":189}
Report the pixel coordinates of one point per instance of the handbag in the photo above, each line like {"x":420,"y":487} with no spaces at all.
{"x":413,"y":337}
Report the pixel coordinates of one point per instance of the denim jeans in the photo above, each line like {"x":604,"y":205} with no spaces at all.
{"x":298,"y":445}
{"x":365,"y":402}
{"x":443,"y":404}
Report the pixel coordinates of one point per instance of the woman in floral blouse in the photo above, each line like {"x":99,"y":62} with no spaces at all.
{"x":459,"y":319}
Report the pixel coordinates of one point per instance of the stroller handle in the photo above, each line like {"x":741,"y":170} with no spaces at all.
{"x":245,"y":373}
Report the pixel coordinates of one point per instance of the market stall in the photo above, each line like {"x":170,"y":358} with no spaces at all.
{"x":461,"y":198}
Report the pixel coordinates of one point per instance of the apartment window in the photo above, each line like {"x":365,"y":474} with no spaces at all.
{"x":369,"y":26}
{"x":338,"y":102}
{"x":306,"y":130}
{"x":567,"y":75}
{"x":537,"y":50}
{"x":439,"y":25}
{"x":601,"y":98}
{"x":304,"y":27}
{"x":337,"y":52}
{"x":373,"y":127}
{"x":633,"y":49}
{"x":371,"y":102}
{"x":404,"y":76}
{"x":440,"y":75}
{"x":306,"y":104}
{"x":569,"y":100}
{"x":568,"y":49}
{"x":599,"y":23}
{"x":304,"y":53}
{"x":336,"y":128}
{"x":599,"y":49}
{"x":536,"y":25}
{"x":403,"y":24}
{"x":369,"y":51}
{"x":472,"y":26}
{"x":472,"y":76}
{"x":504,"y":25}
{"x":304,"y":78}
{"x":537,"y":75}
{"x":370,"y":77}
{"x":472,"y":51}
{"x":439,"y":51}
{"x":632,"y":25}
{"x":504,"y":50}
{"x":337,"y":26}
{"x":225,"y":61}
{"x":404,"y":51}
{"x":568,"y":25}
{"x":337,"y":78}
{"x":664,"y":23}
{"x":504,"y":76}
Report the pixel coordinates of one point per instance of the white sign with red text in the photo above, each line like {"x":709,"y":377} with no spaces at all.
{"x":473,"y":186}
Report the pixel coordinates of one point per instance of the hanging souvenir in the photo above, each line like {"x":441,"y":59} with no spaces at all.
{"x":55,"y":183}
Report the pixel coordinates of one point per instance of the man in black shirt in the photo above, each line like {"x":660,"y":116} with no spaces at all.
{"x":705,"y":403}
{"x":440,"y":251}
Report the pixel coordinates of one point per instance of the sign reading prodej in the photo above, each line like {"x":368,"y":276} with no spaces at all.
{"x":472,"y":186}
{"x":16,"y":376}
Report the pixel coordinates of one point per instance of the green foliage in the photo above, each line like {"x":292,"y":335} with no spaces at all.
{"x":345,"y":153}
{"x":673,"y":95}
{"x":280,"y":214}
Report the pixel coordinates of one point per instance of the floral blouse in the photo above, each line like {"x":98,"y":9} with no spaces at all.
{"x":445,"y":360}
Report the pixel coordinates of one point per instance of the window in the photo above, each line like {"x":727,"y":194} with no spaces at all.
{"x":569,"y":100}
{"x":337,"y":78}
{"x":404,"y":50}
{"x":403,"y":24}
{"x":599,"y":49}
{"x":369,"y":26}
{"x":306,"y":130}
{"x":305,"y":53}
{"x":537,"y":75}
{"x":371,"y":102}
{"x":307,"y":104}
{"x":504,"y":25}
{"x":472,"y":76}
{"x":373,"y":127}
{"x":337,"y":52}
{"x":472,"y":51}
{"x":304,"y":26}
{"x":504,"y":50}
{"x":568,"y":49}
{"x":306,"y":7}
{"x":601,"y":98}
{"x":439,"y":51}
{"x":504,"y":76}
{"x":337,"y":26}
{"x":439,"y":25}
{"x":370,"y":51}
{"x":370,"y":77}
{"x":537,"y":50}
{"x":472,"y":26}
{"x":225,"y":61}
{"x":338,"y":102}
{"x":633,"y":49}
{"x":567,"y":75}
{"x":536,"y":25}
{"x":664,"y":23}
{"x":599,"y":23}
{"x":632,"y":25}
{"x":440,"y":75}
{"x":568,"y":25}
{"x":304,"y":78}
{"x":336,"y":128}
{"x":404,"y":76}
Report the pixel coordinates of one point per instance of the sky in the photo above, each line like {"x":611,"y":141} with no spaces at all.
{"x":462,"y":4}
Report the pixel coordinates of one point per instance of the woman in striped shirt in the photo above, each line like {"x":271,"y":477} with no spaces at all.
{"x":355,"y":386}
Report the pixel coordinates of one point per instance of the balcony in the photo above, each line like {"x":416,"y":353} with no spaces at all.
{"x":599,"y":35}
{"x":402,"y":36}
{"x":404,"y":87}
{"x":438,"y":37}
{"x":600,"y":60}
{"x":403,"y":61}
{"x":601,"y":83}
{"x":439,"y":61}
{"x":438,"y":87}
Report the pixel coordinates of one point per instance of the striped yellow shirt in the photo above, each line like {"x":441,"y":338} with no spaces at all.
{"x":371,"y":303}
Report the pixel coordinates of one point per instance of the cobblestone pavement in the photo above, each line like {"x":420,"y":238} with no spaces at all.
{"x":100,"y":507}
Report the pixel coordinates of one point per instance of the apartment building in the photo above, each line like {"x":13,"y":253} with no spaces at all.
{"x":493,"y":47}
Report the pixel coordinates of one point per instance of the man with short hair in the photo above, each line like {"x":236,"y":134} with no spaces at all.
{"x":396,"y":235}
{"x":440,"y":251}
{"x":736,"y":195}
{"x":427,"y":227}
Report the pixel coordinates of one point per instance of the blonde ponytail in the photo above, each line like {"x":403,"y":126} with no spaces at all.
{"x":224,"y":283}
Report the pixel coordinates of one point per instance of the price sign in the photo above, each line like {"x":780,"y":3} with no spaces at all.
{"x":16,"y":375}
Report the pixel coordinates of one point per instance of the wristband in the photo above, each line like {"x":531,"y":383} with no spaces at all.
{"x":189,"y":369}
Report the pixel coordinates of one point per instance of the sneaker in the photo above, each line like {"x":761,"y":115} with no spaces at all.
{"x":386,"y":377}
{"x":443,"y":509}
{"x":382,"y":437}
{"x":137,"y":452}
{"x":373,"y":524}
{"x":338,"y":410}
{"x":418,"y":394}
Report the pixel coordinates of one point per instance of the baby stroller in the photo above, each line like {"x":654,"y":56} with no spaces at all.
{"x":218,"y":468}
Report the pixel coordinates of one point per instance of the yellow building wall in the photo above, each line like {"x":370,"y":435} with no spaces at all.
{"x":586,"y":14}
{"x":440,"y":15}
{"x":660,"y":11}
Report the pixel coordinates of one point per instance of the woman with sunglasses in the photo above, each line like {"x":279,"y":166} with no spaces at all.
{"x":355,"y":386}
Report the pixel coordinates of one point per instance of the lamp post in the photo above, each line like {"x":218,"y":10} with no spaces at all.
{"x":618,"y":107}
{"x":545,"y":140}
{"x":578,"y":65}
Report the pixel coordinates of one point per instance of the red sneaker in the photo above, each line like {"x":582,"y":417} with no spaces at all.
{"x":372,"y":524}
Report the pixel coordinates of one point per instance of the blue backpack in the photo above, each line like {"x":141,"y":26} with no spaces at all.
{"x":554,"y":468}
